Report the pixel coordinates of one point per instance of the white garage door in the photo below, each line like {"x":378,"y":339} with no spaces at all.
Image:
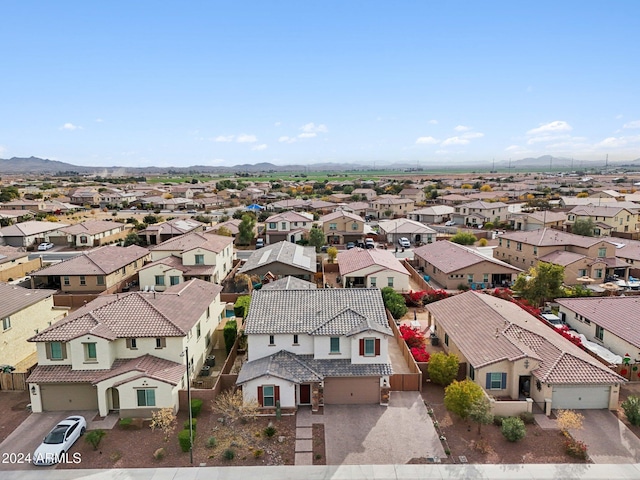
{"x":579,"y":397}
{"x":68,"y":396}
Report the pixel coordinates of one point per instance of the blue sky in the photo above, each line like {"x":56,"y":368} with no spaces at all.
{"x":222,"y":83}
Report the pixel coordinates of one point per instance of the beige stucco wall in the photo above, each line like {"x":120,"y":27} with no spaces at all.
{"x":166,"y":395}
{"x":18,"y":269}
{"x":478,"y":271}
{"x":400,"y":280}
{"x":344,"y":225}
{"x":92,"y":280}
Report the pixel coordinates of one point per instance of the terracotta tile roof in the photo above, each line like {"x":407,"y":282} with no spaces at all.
{"x":488,"y":330}
{"x":450,"y":257}
{"x":562,"y":257}
{"x":29,"y":228}
{"x":100,"y":261}
{"x":341,"y":214}
{"x":618,"y":315}
{"x":176,"y":262}
{"x":14,"y":298}
{"x":356,"y":259}
{"x":92,"y":227}
{"x":171,"y":313}
{"x":189,"y":241}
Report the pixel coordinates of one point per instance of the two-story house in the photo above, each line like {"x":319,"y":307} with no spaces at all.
{"x":104,"y":269}
{"x":290,"y":226}
{"x":126,"y":352}
{"x":415,"y":194}
{"x":389,"y":206}
{"x":606,"y":218}
{"x":316,"y":347}
{"x":478,"y":213}
{"x":206,"y":256}
{"x":514,"y":356}
{"x":536,"y":220}
{"x":341,"y":227}
{"x":93,"y":233}
{"x":161,"y":232}
{"x":579,"y":255}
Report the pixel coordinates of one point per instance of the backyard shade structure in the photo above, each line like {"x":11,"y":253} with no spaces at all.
{"x":254,"y":207}
{"x":585,"y":279}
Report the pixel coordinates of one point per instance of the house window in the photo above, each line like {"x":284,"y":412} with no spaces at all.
{"x":146,"y":397}
{"x":199,"y":259}
{"x":56,"y":351}
{"x":500,"y":242}
{"x":83,"y":280}
{"x":333,"y":226}
{"x":354,"y":226}
{"x":6,"y":323}
{"x":496,"y":381}
{"x":283,"y":225}
{"x":207,"y":339}
{"x":268,"y":396}
{"x":273,"y":225}
{"x":470,"y":278}
{"x":83,"y":239}
{"x":160,"y":280}
{"x":389,"y":281}
{"x":334,"y":345}
{"x":124,"y":270}
{"x":602,"y":252}
{"x":161,"y":342}
{"x":90,"y":353}
{"x":198,"y":332}
{"x":508,"y":243}
{"x":599,"y":332}
{"x":582,"y":272}
{"x":519,"y":246}
{"x":132,"y":343}
{"x":373,"y":281}
{"x":65,"y":281}
{"x":535,"y":250}
{"x":598,"y":273}
{"x":174,"y":280}
{"x":295,"y":339}
{"x":472,"y":372}
{"x":446,"y":339}
{"x":485,"y":278}
{"x":272,"y":340}
{"x":208,"y":312}
{"x":100,"y":280}
{"x":369,"y":347}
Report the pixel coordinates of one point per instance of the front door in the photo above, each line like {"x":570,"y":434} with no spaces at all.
{"x":305,"y":394}
{"x":115,"y":399}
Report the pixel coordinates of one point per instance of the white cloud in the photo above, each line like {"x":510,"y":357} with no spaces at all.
{"x":513,"y":148}
{"x":617,"y":142}
{"x":313,"y":128}
{"x":308,"y":135}
{"x":260,"y":147}
{"x":471,"y":135}
{"x":462,"y":128}
{"x":244,"y":138}
{"x":433,"y":122}
{"x":551,"y":127}
{"x":427,"y":141}
{"x":454,"y":141}
{"x":224,"y":138}
{"x":99,"y":120}
{"x":70,"y":127}
{"x":286,"y":139}
{"x":277,"y":124}
{"x":635,"y":124}
{"x":619,"y":116}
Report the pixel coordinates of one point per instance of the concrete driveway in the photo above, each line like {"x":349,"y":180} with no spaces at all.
{"x":608,"y":439}
{"x":375,"y":435}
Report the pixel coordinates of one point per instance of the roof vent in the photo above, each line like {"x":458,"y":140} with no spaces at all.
{"x":497,"y":333}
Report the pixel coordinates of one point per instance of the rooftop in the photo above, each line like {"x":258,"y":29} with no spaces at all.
{"x":282,"y":252}
{"x":100,"y":261}
{"x":14,"y":299}
{"x":449,"y":257}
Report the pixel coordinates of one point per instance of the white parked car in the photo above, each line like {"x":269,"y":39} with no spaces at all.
{"x":450,"y":223}
{"x":59,"y":440}
{"x":45,"y":246}
{"x":404,"y":242}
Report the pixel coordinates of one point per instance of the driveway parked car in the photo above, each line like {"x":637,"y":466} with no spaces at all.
{"x":404,"y":242}
{"x":45,"y":246}
{"x":369,"y":243}
{"x":450,"y":223}
{"x":350,"y":245}
{"x":259,"y":243}
{"x":59,"y":440}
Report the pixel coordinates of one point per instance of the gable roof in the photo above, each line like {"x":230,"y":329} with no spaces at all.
{"x":316,"y":312}
{"x":189,"y":241}
{"x":434,"y":210}
{"x":32,"y":227}
{"x":14,"y":298}
{"x":355,"y":259}
{"x":92,"y":227}
{"x":341,"y":214}
{"x":100,"y":261}
{"x":609,"y":210}
{"x":176,"y":226}
{"x":9,"y":254}
{"x":488,"y":330}
{"x":171,"y":313}
{"x":284,"y":252}
{"x":618,"y":315}
{"x":289,"y":216}
{"x":547,"y":237}
{"x":405,"y":225}
{"x":483,"y":205}
{"x":175,"y":262}
{"x":289,"y":283}
{"x":449,"y":257}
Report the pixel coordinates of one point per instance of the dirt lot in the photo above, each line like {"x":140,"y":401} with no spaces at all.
{"x":13,"y":406}
{"x":539,"y":446}
{"x":134,"y":448}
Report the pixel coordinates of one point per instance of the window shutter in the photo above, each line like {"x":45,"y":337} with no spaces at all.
{"x":260,"y":401}
{"x":63,"y":347}
{"x":362,"y":346}
{"x":488,"y":381}
{"x":277,"y":393}
{"x":504,"y":381}
{"x":128,"y":343}
{"x":48,"y":350}
{"x":163,"y":342}
{"x":377,"y":347}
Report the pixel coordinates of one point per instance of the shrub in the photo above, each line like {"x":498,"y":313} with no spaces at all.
{"x":211,"y":442}
{"x":258,"y":453}
{"x":229,"y":454}
{"x":513,"y":429}
{"x":194,"y":422}
{"x":498,"y":419}
{"x":183,"y":440}
{"x":241,"y":307}
{"x":269,"y":431}
{"x":196,"y":406}
{"x":230,"y":332}
{"x":631,"y":407}
{"x":576,"y":448}
{"x":159,"y":454}
{"x":527,"y":418}
{"x":463,"y":287}
{"x":94,"y":437}
{"x":482,"y":242}
{"x":443,"y":368}
{"x":394,"y":302}
{"x":125,"y":422}
{"x":460,"y":396}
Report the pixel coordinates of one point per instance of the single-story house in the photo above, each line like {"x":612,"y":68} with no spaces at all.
{"x":373,"y":268}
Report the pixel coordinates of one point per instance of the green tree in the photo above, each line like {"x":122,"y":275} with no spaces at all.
{"x":151,"y":219}
{"x":316,"y":238}
{"x":394,"y":302}
{"x":246,"y":229}
{"x":464,"y":238}
{"x":443,"y":368}
{"x":513,"y":429}
{"x":133,"y":239}
{"x":583,"y":227}
{"x":460,"y":396}
{"x":480,"y":412}
{"x":9,"y":193}
{"x":631,"y":407}
{"x":540,"y":283}
{"x":333,"y":253}
{"x":224,"y":231}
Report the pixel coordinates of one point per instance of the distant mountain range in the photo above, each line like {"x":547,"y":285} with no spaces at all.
{"x":35,"y":165}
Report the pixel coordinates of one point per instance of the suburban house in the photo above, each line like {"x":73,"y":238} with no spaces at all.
{"x":581,"y":256}
{"x":280,"y":260}
{"x":289,"y":283}
{"x":416,"y":232}
{"x":316,"y":347}
{"x":15,"y":263}
{"x":29,"y":233}
{"x":478,"y":213}
{"x":124,"y":352}
{"x":161,"y":232}
{"x":609,"y":321}
{"x":536,"y":220}
{"x":452,"y":199}
{"x":607,"y":218}
{"x":341,"y":227}
{"x":415,"y":194}
{"x":168,"y":203}
{"x":366,"y":194}
{"x":515,"y":356}
{"x":433,"y":214}
{"x":104,"y":269}
{"x":450,"y":265}
{"x":389,"y":206}
{"x":92,"y":233}
{"x":372,"y":268}
{"x":629,"y":252}
{"x":609,"y":194}
{"x":84,"y":196}
{"x":231,"y":225}
{"x":180,"y":191}
{"x":24,"y":311}
{"x":290,"y":225}
{"x":570,"y":202}
{"x":25,"y":205}
{"x":206,"y":256}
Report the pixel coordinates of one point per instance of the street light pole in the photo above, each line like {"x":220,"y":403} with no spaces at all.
{"x":189,"y":407}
